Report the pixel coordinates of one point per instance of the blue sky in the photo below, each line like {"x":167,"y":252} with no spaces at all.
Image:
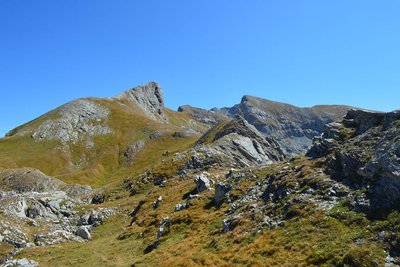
{"x":204,"y":53}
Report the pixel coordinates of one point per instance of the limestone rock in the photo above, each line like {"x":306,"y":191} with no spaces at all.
{"x":83,"y":232}
{"x":75,"y":120}
{"x":149,"y":98}
{"x":368,"y":158}
{"x":20,"y":263}
{"x":220,"y":191}
{"x":236,"y":144}
{"x":202,"y":183}
{"x":182,"y":206}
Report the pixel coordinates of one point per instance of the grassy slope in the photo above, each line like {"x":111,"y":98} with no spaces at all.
{"x":311,"y":238}
{"x":96,"y":167}
{"x":194,"y":239}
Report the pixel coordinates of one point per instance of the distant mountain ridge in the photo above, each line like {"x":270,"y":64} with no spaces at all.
{"x":292,"y":127}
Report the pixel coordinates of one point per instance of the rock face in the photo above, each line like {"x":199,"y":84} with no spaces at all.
{"x":364,"y":151}
{"x":149,"y":98}
{"x":239,"y":144}
{"x":73,"y":121}
{"x":292,"y":127}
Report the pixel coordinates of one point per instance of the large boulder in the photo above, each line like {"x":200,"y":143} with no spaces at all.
{"x":202,"y":183}
{"x":83,"y":232}
{"x":220,"y":191}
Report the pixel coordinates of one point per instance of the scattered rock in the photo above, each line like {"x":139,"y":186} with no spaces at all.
{"x":20,"y":263}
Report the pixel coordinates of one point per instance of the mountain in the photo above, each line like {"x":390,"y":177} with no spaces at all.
{"x":292,"y":127}
{"x":89,"y":139}
{"x":125,"y":181}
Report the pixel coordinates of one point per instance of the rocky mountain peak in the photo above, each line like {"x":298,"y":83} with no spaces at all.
{"x":149,"y":98}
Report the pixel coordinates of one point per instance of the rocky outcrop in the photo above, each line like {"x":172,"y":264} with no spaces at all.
{"x":43,"y":209}
{"x":220,"y":191}
{"x":364,"y":151}
{"x":20,"y":263}
{"x":202,"y":183}
{"x":148,"y":97}
{"x":27,"y":180}
{"x":71,"y":122}
{"x":237,"y":143}
{"x":132,"y":150}
{"x":83,"y":232}
{"x":292,"y":127}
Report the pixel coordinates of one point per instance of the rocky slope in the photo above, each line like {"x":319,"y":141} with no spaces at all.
{"x":236,"y":143}
{"x":200,"y":188}
{"x":363,"y":151}
{"x":38,"y":210}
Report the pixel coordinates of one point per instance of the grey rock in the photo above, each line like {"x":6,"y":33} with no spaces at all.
{"x":157,"y":203}
{"x":56,"y":237}
{"x":220,"y":191}
{"x":132,"y":150}
{"x":186,"y":132}
{"x":83,"y":232}
{"x":165,"y":222}
{"x":202,"y":183}
{"x":95,"y":217}
{"x":20,"y":263}
{"x":236,"y":144}
{"x":148,"y":98}
{"x":227,"y":225}
{"x":182,"y":206}
{"x":160,"y":180}
{"x":367,"y":159}
{"x":98,"y":198}
{"x":77,"y":119}
{"x":34,"y":211}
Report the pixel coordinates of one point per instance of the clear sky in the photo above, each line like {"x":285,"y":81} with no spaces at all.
{"x":205,"y":53}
